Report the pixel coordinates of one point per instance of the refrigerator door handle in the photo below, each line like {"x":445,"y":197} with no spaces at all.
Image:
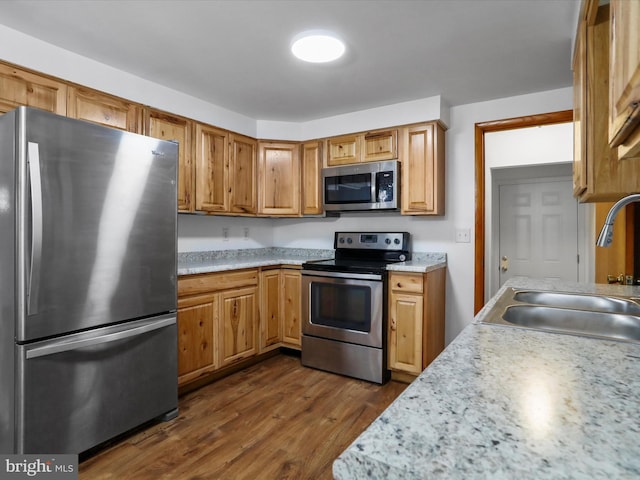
{"x":68,"y":345}
{"x":33,"y":159}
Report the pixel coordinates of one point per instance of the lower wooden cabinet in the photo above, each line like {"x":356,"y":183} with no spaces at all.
{"x":227,"y":317}
{"x":238,"y":323}
{"x":280,"y":308}
{"x":217,"y":321}
{"x":416,"y":320}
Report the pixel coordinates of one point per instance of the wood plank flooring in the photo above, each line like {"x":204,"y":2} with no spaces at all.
{"x":274,"y":420}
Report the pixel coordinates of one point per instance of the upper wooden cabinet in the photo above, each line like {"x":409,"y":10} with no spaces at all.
{"x":598,"y":175}
{"x":311,"y":178}
{"x":103,"y":109}
{"x":363,"y":147}
{"x":278,"y":178}
{"x":624,"y":78}
{"x":165,"y":126}
{"x":242,"y":174}
{"x":21,"y":88}
{"x":423,"y":168}
{"x":212,"y":169}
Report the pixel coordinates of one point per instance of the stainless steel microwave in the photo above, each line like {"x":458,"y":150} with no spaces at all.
{"x":364,"y":186}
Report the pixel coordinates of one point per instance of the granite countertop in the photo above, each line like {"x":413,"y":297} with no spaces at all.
{"x":221,"y":260}
{"x":505,"y":403}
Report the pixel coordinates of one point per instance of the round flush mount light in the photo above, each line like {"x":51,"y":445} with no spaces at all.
{"x":317,"y":46}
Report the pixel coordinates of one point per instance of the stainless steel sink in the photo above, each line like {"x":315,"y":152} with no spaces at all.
{"x":599,"y":303}
{"x":617,"y":326}
{"x":598,"y":316}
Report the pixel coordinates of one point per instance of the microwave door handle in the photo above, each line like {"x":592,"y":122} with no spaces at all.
{"x":35,"y":181}
{"x":374,"y":187}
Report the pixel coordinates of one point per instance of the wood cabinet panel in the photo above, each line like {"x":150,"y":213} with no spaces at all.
{"x":405,"y":333}
{"x":169,"y":127}
{"x":196,"y":345}
{"x":423,"y":168}
{"x":97,"y":107}
{"x":380,"y":145}
{"x":343,"y":150}
{"x":238,"y":324}
{"x":624,"y":78}
{"x":211,"y":282}
{"x":598,"y":174}
{"x":270,"y":310}
{"x":311,"y":178}
{"x":21,"y":88}
{"x":212,"y":169}
{"x":292,"y":307}
{"x":242,"y":174}
{"x":279,"y":178}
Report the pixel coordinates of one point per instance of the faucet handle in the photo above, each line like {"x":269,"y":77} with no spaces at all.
{"x":619,"y":279}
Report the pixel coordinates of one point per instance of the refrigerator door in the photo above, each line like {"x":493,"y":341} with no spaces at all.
{"x":97,"y":225}
{"x":77,"y":391}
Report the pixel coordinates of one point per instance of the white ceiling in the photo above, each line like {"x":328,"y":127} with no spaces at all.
{"x":235,"y":53}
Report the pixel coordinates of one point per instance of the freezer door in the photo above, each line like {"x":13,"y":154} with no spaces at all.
{"x":99,"y":225}
{"x":78,"y":391}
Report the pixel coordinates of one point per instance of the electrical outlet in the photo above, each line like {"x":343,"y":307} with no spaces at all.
{"x":463,"y":235}
{"x":225,"y":234}
{"x":246,"y":233}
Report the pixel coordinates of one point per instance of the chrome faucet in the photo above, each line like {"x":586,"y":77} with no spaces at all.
{"x":606,"y":234}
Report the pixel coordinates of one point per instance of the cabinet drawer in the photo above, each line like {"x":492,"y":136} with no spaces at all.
{"x":406,"y":282}
{"x":211,"y":282}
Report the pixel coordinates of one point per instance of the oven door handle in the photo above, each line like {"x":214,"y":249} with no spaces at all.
{"x":354,"y":276}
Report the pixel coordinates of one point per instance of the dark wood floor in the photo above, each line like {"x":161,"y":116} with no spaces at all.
{"x":274,"y":420}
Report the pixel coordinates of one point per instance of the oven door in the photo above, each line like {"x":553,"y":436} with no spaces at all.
{"x":347,"y":307}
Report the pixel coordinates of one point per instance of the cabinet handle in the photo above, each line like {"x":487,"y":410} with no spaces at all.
{"x":393,"y":324}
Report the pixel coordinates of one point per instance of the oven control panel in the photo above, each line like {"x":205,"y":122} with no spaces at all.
{"x":372,"y":240}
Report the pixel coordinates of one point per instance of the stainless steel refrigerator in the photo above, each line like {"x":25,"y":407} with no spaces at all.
{"x":88,"y":229}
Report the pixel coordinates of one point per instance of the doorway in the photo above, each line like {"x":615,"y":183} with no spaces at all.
{"x":480,"y":232}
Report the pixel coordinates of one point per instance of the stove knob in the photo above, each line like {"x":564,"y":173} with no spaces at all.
{"x":349,"y":240}
{"x":397,"y":241}
{"x":402,"y":257}
{"x":341,"y":240}
{"x":388,"y":241}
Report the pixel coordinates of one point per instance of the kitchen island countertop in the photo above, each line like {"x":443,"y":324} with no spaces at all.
{"x":504,"y":402}
{"x":222,"y":260}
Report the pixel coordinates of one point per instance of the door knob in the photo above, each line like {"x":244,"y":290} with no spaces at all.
{"x":504,"y":264}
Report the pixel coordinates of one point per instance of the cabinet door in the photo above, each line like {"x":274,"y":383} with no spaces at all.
{"x":344,"y":150}
{"x":381,"y":145}
{"x":197,"y":318}
{"x":423,"y":179}
{"x":405,"y":332}
{"x":212,"y":169}
{"x":311,"y":178}
{"x":20,"y":88}
{"x":242,"y":174}
{"x":170,"y":127}
{"x":624,"y":78}
{"x":291,"y":296}
{"x":238,"y":324}
{"x":270,"y":314}
{"x":103,"y":109}
{"x":579,"y":110}
{"x":279,"y":178}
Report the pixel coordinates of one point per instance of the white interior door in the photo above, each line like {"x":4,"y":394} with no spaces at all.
{"x":538,"y":232}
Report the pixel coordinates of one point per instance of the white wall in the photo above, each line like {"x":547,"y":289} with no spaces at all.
{"x":429,"y":234}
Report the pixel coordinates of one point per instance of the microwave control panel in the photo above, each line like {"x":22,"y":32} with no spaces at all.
{"x":384,"y":186}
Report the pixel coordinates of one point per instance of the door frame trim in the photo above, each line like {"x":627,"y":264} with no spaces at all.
{"x":481,"y":128}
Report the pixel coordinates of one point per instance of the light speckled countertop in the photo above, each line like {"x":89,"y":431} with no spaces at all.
{"x":507,"y":403}
{"x":220,"y":260}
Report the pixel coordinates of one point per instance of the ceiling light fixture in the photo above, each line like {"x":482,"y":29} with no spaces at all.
{"x":317,"y":46}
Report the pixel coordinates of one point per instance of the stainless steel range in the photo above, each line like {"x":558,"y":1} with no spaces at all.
{"x":344,"y":304}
